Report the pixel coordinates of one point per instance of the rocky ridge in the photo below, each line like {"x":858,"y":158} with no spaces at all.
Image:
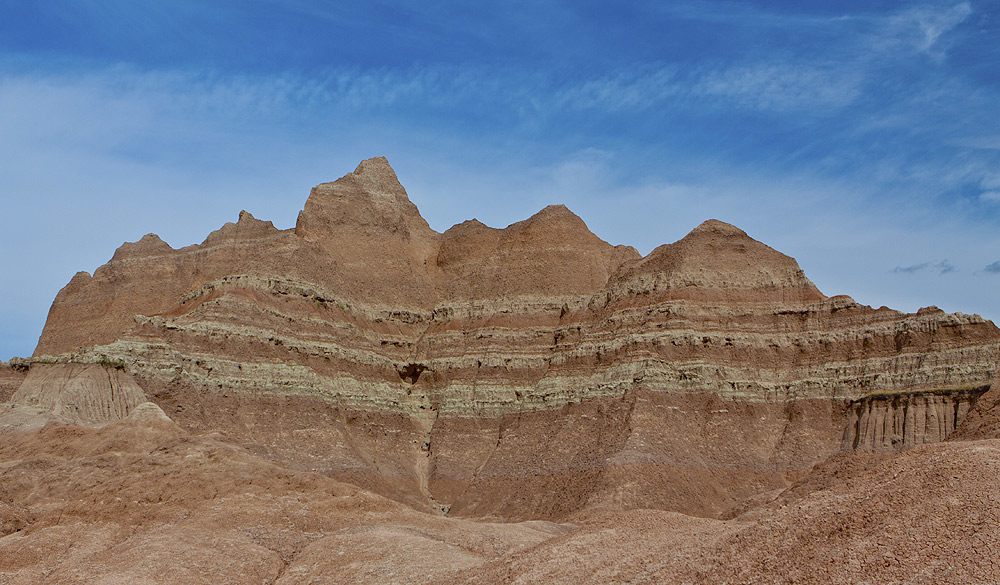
{"x":516,"y":373}
{"x":224,"y":412}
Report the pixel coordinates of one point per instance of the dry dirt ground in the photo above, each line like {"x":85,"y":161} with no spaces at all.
{"x":142,"y":501}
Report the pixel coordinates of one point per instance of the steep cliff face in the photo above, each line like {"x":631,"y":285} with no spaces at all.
{"x":983,"y":420}
{"x":907,"y":420}
{"x":517,"y":372}
{"x":147,"y":277}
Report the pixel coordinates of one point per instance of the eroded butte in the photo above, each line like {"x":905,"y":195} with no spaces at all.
{"x":362,"y":399}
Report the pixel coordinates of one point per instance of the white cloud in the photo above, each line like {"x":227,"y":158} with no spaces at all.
{"x":783,"y":87}
{"x":923,"y":28}
{"x":979,"y":142}
{"x":626,"y":90}
{"x":990,"y":181}
{"x":942,"y":267}
{"x":769,"y":87}
{"x":990,"y":196}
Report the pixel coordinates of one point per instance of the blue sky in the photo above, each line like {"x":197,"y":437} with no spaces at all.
{"x":862,"y":138}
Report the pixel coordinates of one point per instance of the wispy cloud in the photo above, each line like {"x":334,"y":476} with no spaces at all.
{"x":778,"y":87}
{"x":993,"y":268}
{"x":783,"y":87}
{"x":854,"y":122}
{"x":636,"y":89}
{"x":981,"y":142}
{"x":942,"y":267}
{"x":924,"y":27}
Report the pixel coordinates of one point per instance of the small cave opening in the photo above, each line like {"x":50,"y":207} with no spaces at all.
{"x":411,"y":372}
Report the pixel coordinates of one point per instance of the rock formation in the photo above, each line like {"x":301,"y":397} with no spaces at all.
{"x":516,"y":373}
{"x":228,"y":411}
{"x":78,"y":394}
{"x":12,"y":374}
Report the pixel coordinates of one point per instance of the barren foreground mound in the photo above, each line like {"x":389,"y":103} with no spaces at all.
{"x":363,"y":399}
{"x":142,"y":501}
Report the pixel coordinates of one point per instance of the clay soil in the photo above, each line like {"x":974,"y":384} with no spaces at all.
{"x":143,"y":501}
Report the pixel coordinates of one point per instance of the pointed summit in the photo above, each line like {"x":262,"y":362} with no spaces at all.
{"x":553,"y":250}
{"x":718,"y":261}
{"x":247,"y":227}
{"x":365,"y":225}
{"x":376,"y":174}
{"x":148,"y":245}
{"x":369,"y":198}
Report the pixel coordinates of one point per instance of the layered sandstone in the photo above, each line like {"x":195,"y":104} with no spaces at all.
{"x":523,"y":372}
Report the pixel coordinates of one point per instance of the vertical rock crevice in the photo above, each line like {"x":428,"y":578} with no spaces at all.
{"x":901,"y":421}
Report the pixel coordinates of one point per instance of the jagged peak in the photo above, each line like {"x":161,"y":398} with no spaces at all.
{"x":717,"y":260}
{"x":716,"y":236}
{"x":370,"y":197}
{"x":152,"y":239}
{"x":373,"y":176}
{"x":246,"y":226}
{"x":376,"y":174}
{"x":149,"y":245}
{"x":374,"y":165}
{"x":78,"y":282}
{"x":557,"y":210}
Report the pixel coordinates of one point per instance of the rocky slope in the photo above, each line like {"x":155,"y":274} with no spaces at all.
{"x":516,"y":373}
{"x":141,"y":500}
{"x":12,"y":374}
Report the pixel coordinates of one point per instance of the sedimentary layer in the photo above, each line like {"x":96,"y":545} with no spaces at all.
{"x":520,"y":372}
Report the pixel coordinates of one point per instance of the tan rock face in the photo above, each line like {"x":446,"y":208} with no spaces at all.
{"x":80,"y":394}
{"x":983,"y":420}
{"x":12,"y":374}
{"x":516,"y":373}
{"x":907,"y":420}
{"x":718,"y":262}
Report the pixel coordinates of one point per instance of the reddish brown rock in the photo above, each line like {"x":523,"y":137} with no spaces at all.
{"x":524,"y":372}
{"x":145,"y":501}
{"x":12,"y":373}
{"x":983,"y":420}
{"x":920,"y":515}
{"x":702,"y":414}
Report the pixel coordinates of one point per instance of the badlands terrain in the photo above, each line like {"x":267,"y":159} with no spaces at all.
{"x":360,"y":399}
